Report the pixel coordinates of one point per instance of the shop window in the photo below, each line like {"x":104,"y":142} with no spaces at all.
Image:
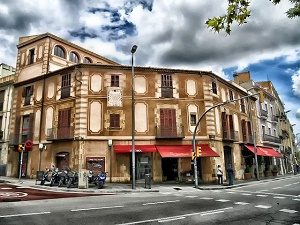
{"x":95,"y":164}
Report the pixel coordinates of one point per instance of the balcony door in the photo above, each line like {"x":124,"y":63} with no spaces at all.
{"x":168,"y":122}
{"x":64,"y":121}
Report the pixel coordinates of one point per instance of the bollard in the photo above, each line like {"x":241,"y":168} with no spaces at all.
{"x":148,"y":181}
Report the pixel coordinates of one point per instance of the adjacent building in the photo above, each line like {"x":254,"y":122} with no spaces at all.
{"x":6,"y":89}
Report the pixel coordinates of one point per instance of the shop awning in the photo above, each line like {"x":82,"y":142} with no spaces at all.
{"x":184,"y":151}
{"x":138,"y":148}
{"x":264,"y":151}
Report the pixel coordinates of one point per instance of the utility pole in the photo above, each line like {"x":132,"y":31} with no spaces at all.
{"x":196,"y":127}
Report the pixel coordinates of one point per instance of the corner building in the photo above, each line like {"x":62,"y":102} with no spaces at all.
{"x":78,"y":105}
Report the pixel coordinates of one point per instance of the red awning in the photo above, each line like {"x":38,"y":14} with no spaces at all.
{"x":175,"y":151}
{"x":184,"y":151}
{"x":138,"y":148}
{"x":264,"y":151}
{"x":206,"y":151}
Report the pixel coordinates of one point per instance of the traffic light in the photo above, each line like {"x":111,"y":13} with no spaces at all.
{"x":21,"y":147}
{"x":198,"y":151}
{"x":261,"y":96}
{"x":193,"y":155}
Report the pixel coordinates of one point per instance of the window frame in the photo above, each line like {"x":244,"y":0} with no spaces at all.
{"x":167,"y":85}
{"x":65,"y":86}
{"x":87,"y":60}
{"x":114,"y":121}
{"x":193,"y":119}
{"x":59,"y":51}
{"x":115,"y":80}
{"x":214,"y":87}
{"x":31,"y":54}
{"x":74,"y":57}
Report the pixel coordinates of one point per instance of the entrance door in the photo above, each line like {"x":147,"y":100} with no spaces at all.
{"x":62,"y":160}
{"x":170,"y":168}
{"x":227,"y":156}
{"x":168,"y":122}
{"x":143,"y":166}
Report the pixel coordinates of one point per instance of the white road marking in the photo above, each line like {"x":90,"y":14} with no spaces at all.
{"x":261,"y":195}
{"x":287,"y":185}
{"x":231,"y":192}
{"x":296,"y":199}
{"x":24,"y":214}
{"x":246,"y":194}
{"x":216,"y":191}
{"x":279,"y":197}
{"x":288,"y":210}
{"x":166,"y":193}
{"x":105,"y":207}
{"x":222,"y":200}
{"x":263,"y":206}
{"x":265,"y":193}
{"x":13,"y":194}
{"x":6,"y":188}
{"x":191,"y":196}
{"x":179,"y":216}
{"x":22,"y":187}
{"x":296,"y":183}
{"x":276,"y":188}
{"x":155,"y":203}
{"x":171,"y":219}
{"x":206,"y":198}
{"x":262,"y":190}
{"x":241,"y":203}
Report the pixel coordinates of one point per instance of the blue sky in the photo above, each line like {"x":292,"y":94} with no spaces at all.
{"x":168,"y":34}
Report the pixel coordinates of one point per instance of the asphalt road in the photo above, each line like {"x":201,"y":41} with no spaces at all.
{"x":271,"y":202}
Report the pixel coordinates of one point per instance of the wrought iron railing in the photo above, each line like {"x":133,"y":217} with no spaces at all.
{"x":263,"y":113}
{"x":169,"y":132}
{"x":60,"y":133}
{"x":270,"y":138}
{"x":230,"y":135}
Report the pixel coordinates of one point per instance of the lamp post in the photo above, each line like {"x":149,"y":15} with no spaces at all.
{"x":133,"y":50}
{"x":109,"y":143}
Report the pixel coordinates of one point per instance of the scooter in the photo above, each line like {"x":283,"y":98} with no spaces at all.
{"x":101,"y":179}
{"x":55,"y":177}
{"x":63,"y":178}
{"x":73,"y":178}
{"x":46,"y":176}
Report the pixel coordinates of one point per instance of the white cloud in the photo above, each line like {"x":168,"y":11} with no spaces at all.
{"x":296,"y":83}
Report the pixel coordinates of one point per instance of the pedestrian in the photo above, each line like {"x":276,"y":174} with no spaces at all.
{"x":220,"y":175}
{"x":230,"y":175}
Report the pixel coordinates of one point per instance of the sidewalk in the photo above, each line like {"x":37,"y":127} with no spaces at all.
{"x":121,"y":187}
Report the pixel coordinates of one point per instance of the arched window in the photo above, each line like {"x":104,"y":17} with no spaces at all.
{"x":59,"y":51}
{"x":74,"y":57}
{"x":87,"y":60}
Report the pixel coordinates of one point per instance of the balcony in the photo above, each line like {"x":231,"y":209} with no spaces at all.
{"x":60,"y":133}
{"x":270,"y":138}
{"x":263,"y":113}
{"x":230,"y":135}
{"x":169,"y":132}
{"x":16,"y":139}
{"x":248,"y":139}
{"x":274,"y":118}
{"x":65,"y":92}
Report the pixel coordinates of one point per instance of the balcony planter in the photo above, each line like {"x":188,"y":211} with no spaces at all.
{"x":247,"y":174}
{"x":274,"y":170}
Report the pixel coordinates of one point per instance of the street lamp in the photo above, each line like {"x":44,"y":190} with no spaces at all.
{"x":133,"y":50}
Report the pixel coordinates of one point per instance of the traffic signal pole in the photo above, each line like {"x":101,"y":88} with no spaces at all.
{"x":196,"y":127}
{"x":21,"y":162}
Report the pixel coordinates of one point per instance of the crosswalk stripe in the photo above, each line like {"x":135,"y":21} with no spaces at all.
{"x":288,"y":210}
{"x":6,"y":188}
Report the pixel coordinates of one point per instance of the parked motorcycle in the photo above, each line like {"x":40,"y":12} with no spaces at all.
{"x":73,"y":178}
{"x":55,"y":177}
{"x":46,"y":176}
{"x":97,"y":179}
{"x":63,"y":177}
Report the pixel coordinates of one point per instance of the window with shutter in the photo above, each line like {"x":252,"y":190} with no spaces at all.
{"x":166,"y":86}
{"x":231,"y":127}
{"x":115,"y":81}
{"x":168,"y":126}
{"x":224,"y":125}
{"x":65,"y":85}
{"x":2,"y":93}
{"x":244,"y":131}
{"x":114,"y":121}
{"x":214,"y":87}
